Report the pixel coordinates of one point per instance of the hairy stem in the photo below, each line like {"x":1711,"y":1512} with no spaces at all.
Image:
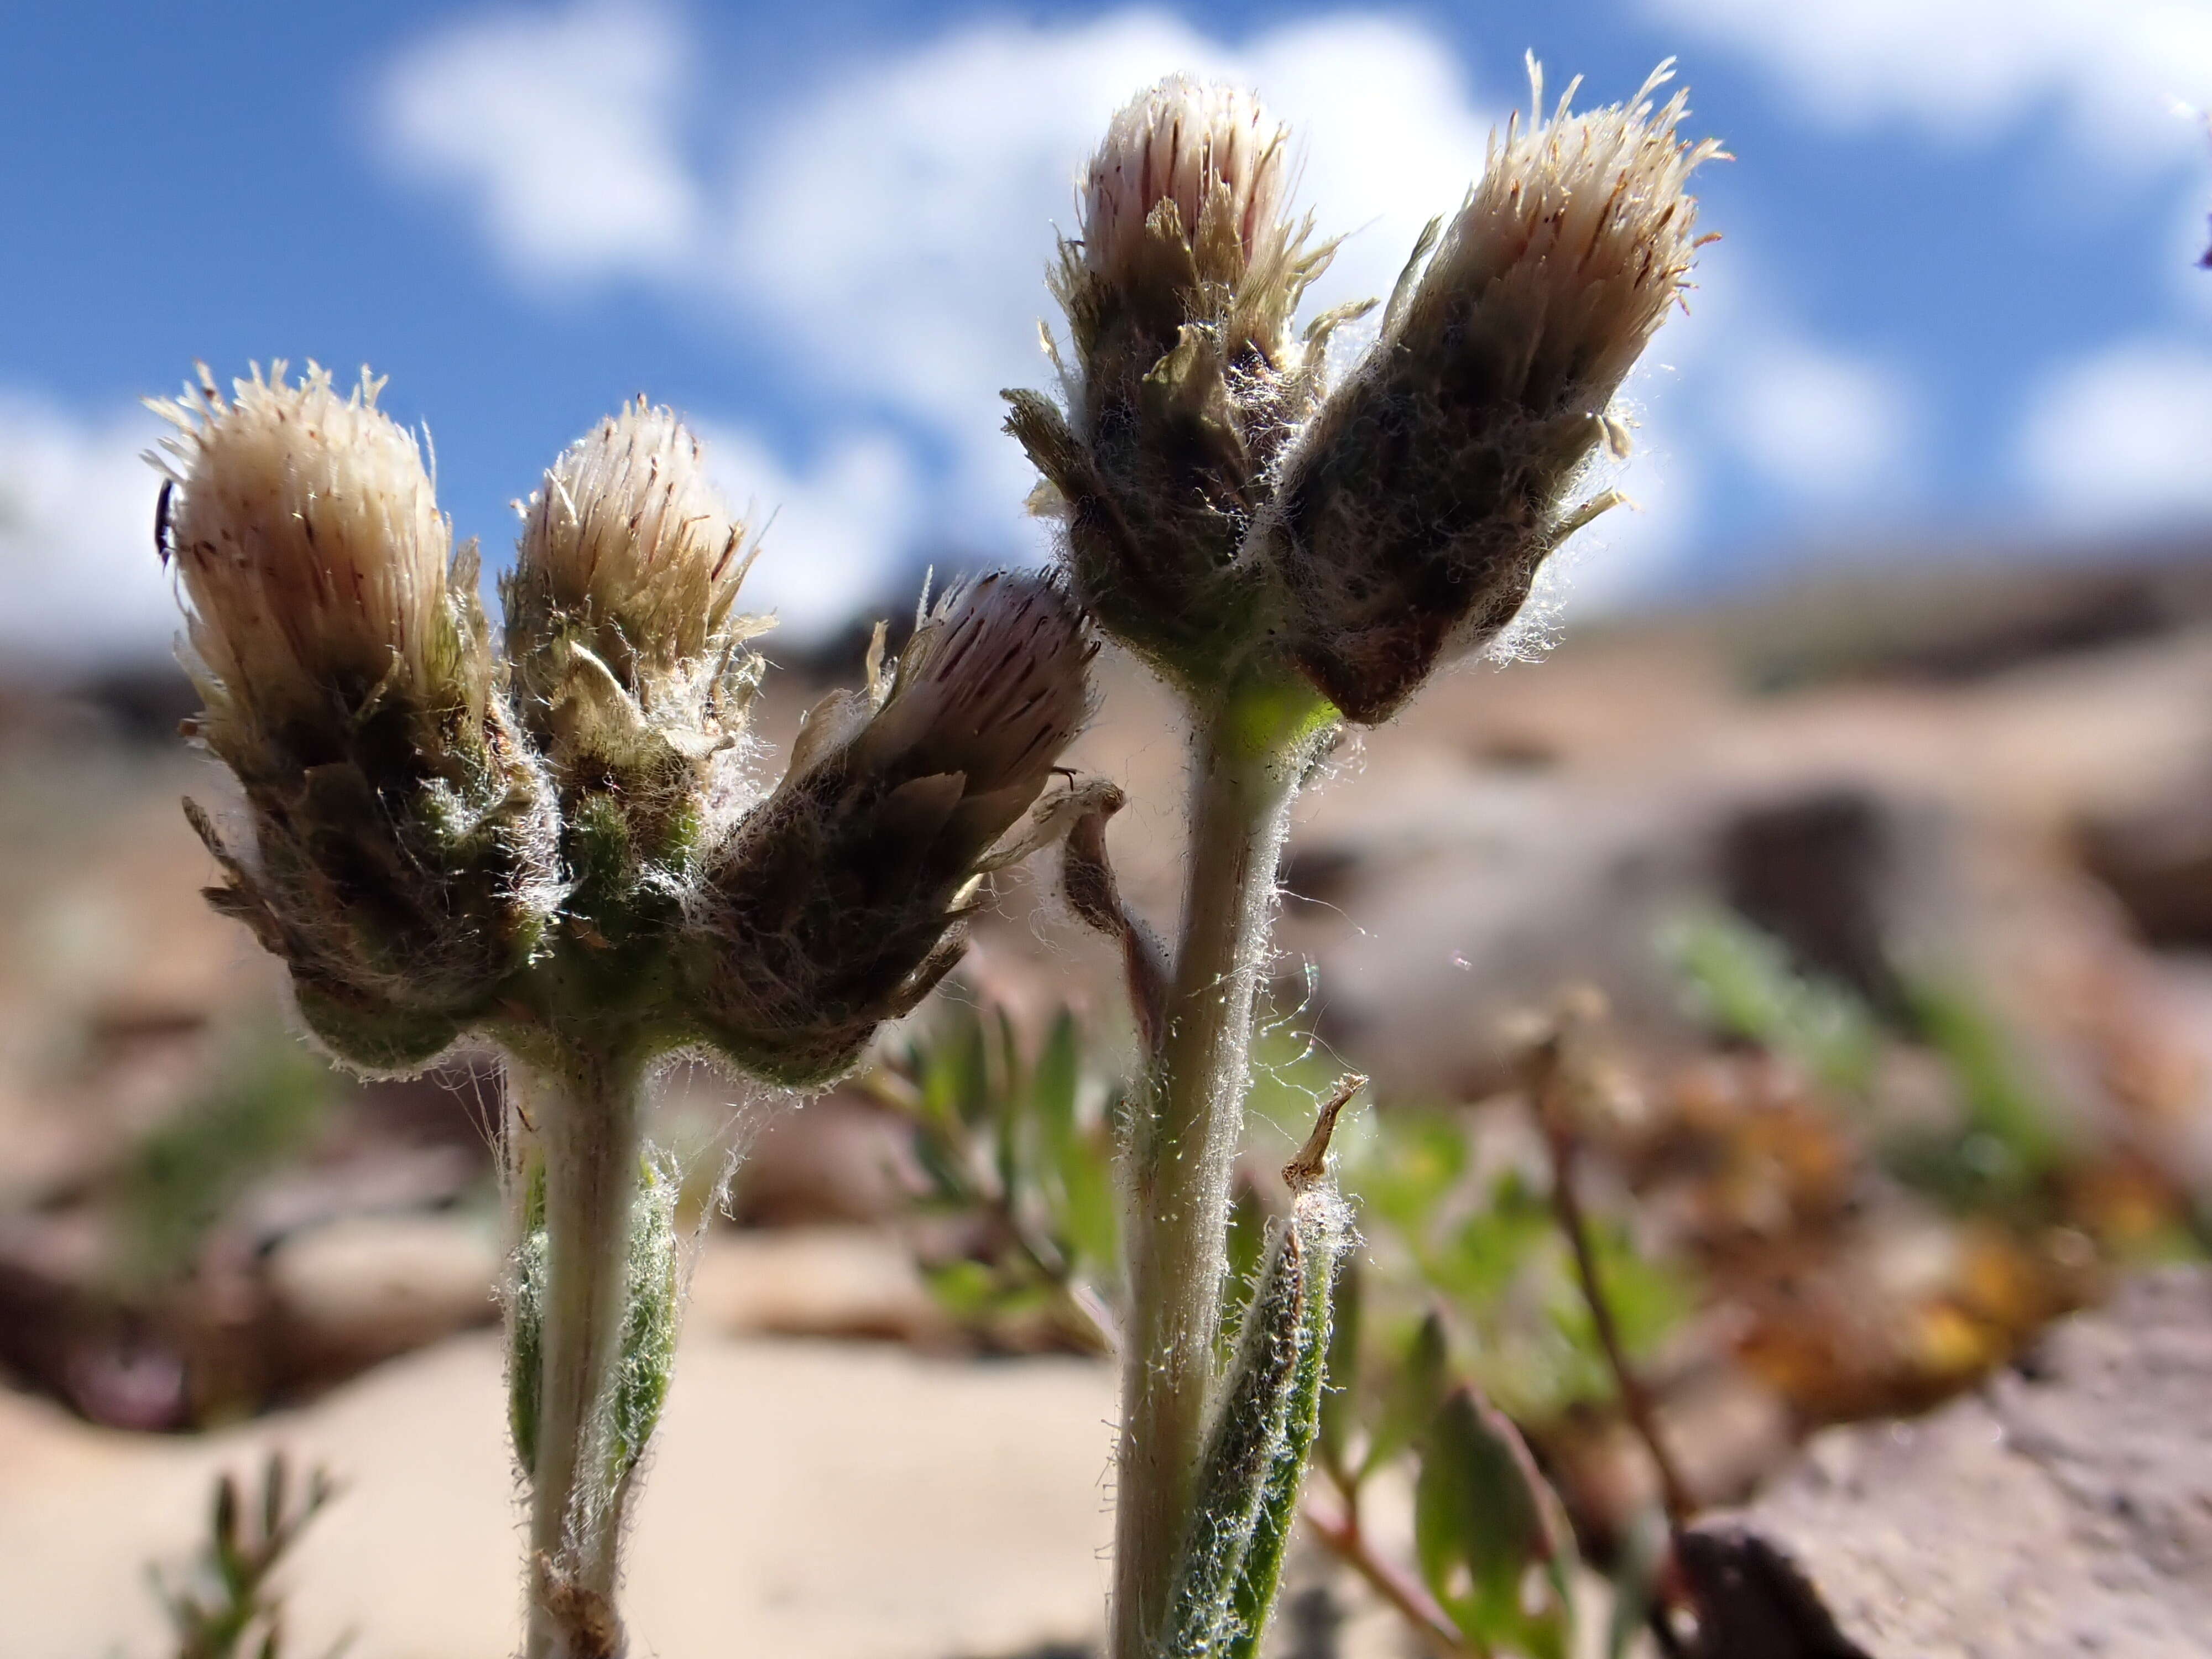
{"x":585,"y":1110}
{"x":1245,"y":761}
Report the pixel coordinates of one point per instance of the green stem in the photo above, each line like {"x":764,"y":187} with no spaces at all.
{"x":586,"y":1111}
{"x":1245,"y":761}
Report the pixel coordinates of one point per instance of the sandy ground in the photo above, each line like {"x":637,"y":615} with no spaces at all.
{"x":809,"y":1501}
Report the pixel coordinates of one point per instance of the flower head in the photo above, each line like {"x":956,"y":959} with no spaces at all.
{"x":1186,"y":381}
{"x":627,"y":550}
{"x":840,"y":900}
{"x":1414,"y":512}
{"x":1570,"y":249}
{"x":402,"y":860}
{"x":1202,"y":168}
{"x":315,"y":564}
{"x":628,"y":651}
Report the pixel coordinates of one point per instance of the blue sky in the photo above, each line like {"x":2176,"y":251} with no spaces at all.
{"x":1954,"y":302}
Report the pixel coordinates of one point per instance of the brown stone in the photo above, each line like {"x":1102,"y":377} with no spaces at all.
{"x":2064,"y":1508}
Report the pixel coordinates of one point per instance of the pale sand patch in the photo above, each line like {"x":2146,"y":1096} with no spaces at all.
{"x":808,"y":1500}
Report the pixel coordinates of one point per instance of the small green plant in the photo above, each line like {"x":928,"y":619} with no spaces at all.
{"x":552,"y":847}
{"x":1026,"y":1144}
{"x":551,"y":844}
{"x":1470,"y":1290}
{"x":1741,"y":980}
{"x":2005,"y":1148}
{"x":226,"y":1605}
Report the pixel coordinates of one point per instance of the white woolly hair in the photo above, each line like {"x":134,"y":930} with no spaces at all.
{"x":1584,"y":222}
{"x":308,"y":535}
{"x":1185,"y":142}
{"x":626,"y":532}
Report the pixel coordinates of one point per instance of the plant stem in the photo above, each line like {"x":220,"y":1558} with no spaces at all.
{"x":586,"y":1111}
{"x":1244,"y":774}
{"x":1635,"y":1399}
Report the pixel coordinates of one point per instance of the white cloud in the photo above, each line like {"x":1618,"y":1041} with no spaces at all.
{"x":894,"y":228}
{"x":1819,"y":424}
{"x":834,"y":532}
{"x":1742,"y":388}
{"x":2113,"y":70}
{"x":79,"y":578}
{"x":2124,"y":436}
{"x":560,"y":128}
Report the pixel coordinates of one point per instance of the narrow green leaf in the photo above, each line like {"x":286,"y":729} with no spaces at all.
{"x":1090,"y":1219}
{"x":1248,"y":1432}
{"x":648,"y":1357}
{"x":525,"y":1341}
{"x":1009,"y":1119}
{"x":1319,"y":1217}
{"x":1055,"y":1086}
{"x":1635,"y":1581}
{"x":965,"y":1289}
{"x":940,"y":1164}
{"x":276,"y":1479}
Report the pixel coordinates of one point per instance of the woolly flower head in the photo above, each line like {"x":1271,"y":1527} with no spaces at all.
{"x":627,"y":545}
{"x":1186,"y":379}
{"x":1416,"y":509}
{"x":314,"y":560}
{"x":1580,"y":234}
{"x":843,"y":898}
{"x":1210,"y":153}
{"x":991,"y":688}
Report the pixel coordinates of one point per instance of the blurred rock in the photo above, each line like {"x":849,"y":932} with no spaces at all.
{"x":366,"y":1288}
{"x":812,"y":1281}
{"x":837,"y":1158}
{"x":1823,"y":872}
{"x":2065,"y":1509}
{"x":2156,"y":857}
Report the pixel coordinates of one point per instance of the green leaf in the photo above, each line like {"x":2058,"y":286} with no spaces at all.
{"x":1488,"y":1251}
{"x":1248,"y":1433}
{"x":1053,"y":1087}
{"x":1414,"y":1393}
{"x":2011,"y":1143}
{"x":1483,"y":1520}
{"x":1089,"y":1216}
{"x":1324,"y":1235}
{"x":1742,"y":981}
{"x":968,"y":1290}
{"x":1416,"y":1162}
{"x":648,"y":1356}
{"x":526,"y":1332}
{"x":1636,"y":1574}
{"x":956,"y":1084}
{"x":1008,"y":1116}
